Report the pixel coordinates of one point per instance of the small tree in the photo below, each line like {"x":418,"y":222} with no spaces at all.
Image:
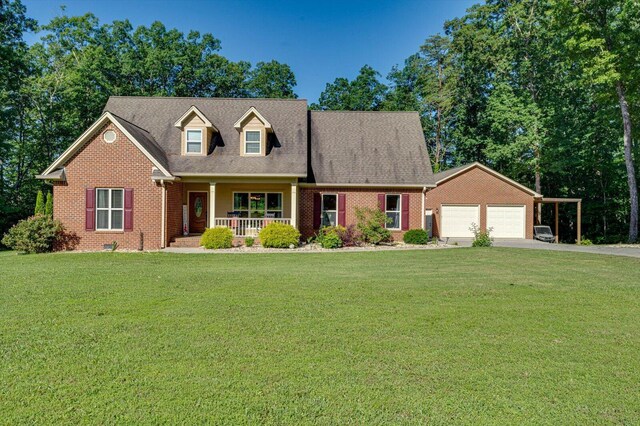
{"x":48,"y":207}
{"x":39,"y":203}
{"x":371,"y":224}
{"x":481,"y":238}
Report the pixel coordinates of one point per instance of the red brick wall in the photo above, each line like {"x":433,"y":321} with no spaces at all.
{"x":357,"y":197}
{"x":476,"y":186}
{"x":174,"y":211}
{"x":110,"y":165}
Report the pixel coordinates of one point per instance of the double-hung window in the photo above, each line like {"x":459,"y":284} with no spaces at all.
{"x":329,"y":209}
{"x":258,"y":204}
{"x":194,"y":141}
{"x":109,"y":209}
{"x":392,"y":210}
{"x":252,"y":142}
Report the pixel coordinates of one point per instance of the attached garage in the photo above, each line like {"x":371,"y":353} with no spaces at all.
{"x":507,"y":221}
{"x":475,"y":193}
{"x":457,"y":220}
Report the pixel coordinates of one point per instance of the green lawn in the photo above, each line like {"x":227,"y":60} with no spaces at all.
{"x":442,"y":336}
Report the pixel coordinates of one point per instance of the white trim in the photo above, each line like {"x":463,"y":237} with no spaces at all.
{"x":294,"y":205}
{"x":164,"y":213}
{"x":254,"y":111}
{"x":213,"y":175}
{"x":363,"y":185}
{"x":68,"y":153}
{"x":322,"y":210}
{"x":212,"y":204}
{"x":492,"y":172}
{"x":266,"y":195}
{"x":197,"y":112}
{"x":111,"y":132}
{"x":109,"y":209}
{"x":244,"y":142}
{"x":186,"y":140}
{"x":394,"y":211}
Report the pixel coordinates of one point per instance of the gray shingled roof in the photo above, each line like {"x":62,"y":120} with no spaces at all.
{"x":446,"y":173}
{"x":145,"y":139}
{"x":157,"y":115}
{"x":368,"y":148}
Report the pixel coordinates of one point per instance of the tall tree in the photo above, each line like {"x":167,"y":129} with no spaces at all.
{"x":603,"y":36}
{"x":272,"y":80}
{"x":14,"y":69}
{"x":364,"y":93}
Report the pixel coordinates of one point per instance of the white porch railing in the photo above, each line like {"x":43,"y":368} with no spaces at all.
{"x":246,"y":227}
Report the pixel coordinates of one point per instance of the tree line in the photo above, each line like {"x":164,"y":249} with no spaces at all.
{"x":544,"y":91}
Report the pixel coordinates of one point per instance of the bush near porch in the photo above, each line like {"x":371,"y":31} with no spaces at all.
{"x":219,"y":237}
{"x":279,"y":235}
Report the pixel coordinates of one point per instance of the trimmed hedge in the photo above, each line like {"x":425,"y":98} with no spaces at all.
{"x":416,"y":236}
{"x":217,"y":238}
{"x":279,"y":235}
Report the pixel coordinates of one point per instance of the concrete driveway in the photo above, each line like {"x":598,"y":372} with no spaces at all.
{"x":615,"y":250}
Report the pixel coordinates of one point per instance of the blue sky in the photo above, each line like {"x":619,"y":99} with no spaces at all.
{"x":320,"y":40}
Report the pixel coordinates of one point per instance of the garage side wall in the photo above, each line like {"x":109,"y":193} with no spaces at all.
{"x":477,"y":187}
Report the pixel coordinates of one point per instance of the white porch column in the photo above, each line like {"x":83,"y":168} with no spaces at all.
{"x":212,"y":204}
{"x":294,"y":205}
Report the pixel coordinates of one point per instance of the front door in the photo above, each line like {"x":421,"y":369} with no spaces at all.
{"x":197,"y":212}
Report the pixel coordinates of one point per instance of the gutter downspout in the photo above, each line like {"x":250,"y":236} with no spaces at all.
{"x":164,"y":208}
{"x":424,"y":196}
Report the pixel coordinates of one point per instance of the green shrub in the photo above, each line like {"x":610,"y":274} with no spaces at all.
{"x":330,"y":236}
{"x":36,"y":234}
{"x":416,"y":236}
{"x":48,"y":206}
{"x":586,"y":242}
{"x":249,"y":241}
{"x":219,"y":237}
{"x":481,"y":238}
{"x":371,"y":224}
{"x":279,"y":235}
{"x":39,"y":204}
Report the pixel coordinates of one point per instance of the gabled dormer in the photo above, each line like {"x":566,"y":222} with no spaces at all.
{"x":253,"y":129}
{"x":197,"y":132}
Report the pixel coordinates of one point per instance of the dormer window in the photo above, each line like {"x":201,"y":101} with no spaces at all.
{"x":253,"y":142}
{"x":194,"y":141}
{"x":197,"y":132}
{"x":253,"y":129}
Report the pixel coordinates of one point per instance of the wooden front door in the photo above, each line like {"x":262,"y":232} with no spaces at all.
{"x":197,"y":212}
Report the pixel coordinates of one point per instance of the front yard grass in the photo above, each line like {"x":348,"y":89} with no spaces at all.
{"x":435,"y":336}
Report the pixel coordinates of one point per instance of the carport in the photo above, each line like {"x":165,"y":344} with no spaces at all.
{"x":556,"y":202}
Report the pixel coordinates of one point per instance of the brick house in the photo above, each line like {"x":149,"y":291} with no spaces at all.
{"x":152,"y":169}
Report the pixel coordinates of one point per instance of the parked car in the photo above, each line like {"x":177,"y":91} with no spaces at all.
{"x":543,"y":233}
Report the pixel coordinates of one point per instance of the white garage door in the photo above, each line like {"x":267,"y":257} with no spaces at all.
{"x":456,"y":220}
{"x":506,"y":221}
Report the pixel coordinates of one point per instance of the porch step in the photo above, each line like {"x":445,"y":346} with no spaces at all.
{"x":189,"y":241}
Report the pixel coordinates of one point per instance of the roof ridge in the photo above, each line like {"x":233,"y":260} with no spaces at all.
{"x":133,"y":124}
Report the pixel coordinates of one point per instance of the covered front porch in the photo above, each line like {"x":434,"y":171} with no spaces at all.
{"x":244,"y":207}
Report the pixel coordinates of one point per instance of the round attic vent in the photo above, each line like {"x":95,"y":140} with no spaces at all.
{"x":109,"y":136}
